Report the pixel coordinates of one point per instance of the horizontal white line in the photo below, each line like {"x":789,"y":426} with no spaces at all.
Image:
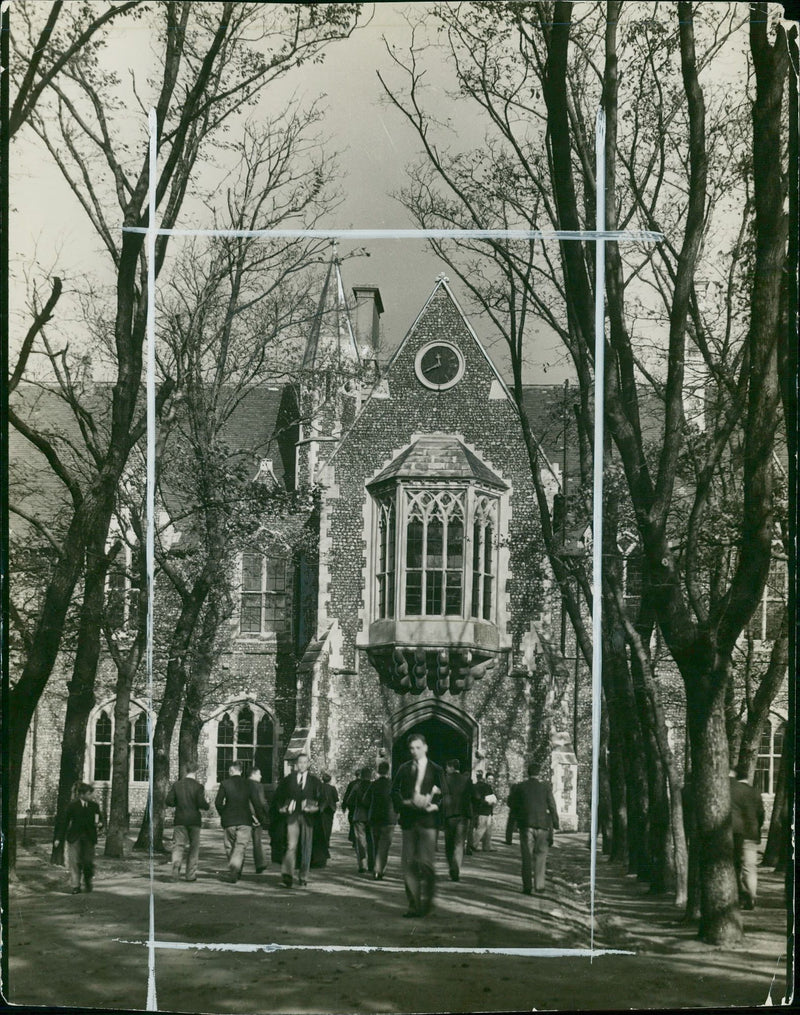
{"x":641,"y":236}
{"x":218,"y":946}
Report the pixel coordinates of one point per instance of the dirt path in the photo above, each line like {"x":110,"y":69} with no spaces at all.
{"x":73,"y":950}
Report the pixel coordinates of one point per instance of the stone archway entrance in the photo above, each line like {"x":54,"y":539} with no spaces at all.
{"x":449,"y":731}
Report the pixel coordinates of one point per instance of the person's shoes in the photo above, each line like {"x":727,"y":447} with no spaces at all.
{"x":193,"y":878}
{"x":748,"y":903}
{"x":228,"y":879}
{"x":454,"y":875}
{"x":302,"y":882}
{"x":88,"y":885}
{"x":260,"y":870}
{"x":76,"y":891}
{"x":527,"y":891}
{"x":362,"y":870}
{"x":411,"y":914}
{"x":287,"y":880}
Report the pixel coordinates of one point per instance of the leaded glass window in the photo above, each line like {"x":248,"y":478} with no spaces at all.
{"x":264,"y":596}
{"x":434,"y":548}
{"x":103,"y":734}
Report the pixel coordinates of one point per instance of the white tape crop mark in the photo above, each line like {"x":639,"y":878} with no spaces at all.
{"x":601,"y":237}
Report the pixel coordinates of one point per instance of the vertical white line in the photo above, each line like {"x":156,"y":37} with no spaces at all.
{"x":597,"y":519}
{"x":150,"y":506}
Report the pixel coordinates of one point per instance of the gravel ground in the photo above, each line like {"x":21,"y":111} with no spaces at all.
{"x":89,"y":949}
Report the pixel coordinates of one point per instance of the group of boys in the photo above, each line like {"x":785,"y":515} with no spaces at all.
{"x":422,"y":798}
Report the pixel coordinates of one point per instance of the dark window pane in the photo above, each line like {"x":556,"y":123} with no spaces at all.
{"x":102,"y":729}
{"x":140,"y":731}
{"x":453,"y":594}
{"x":391,"y":541}
{"x":765,"y":743}
{"x":275,"y":614}
{"x":455,"y":545}
{"x":276,"y":575}
{"x":382,"y":605}
{"x":414,"y":547}
{"x":761,"y":776}
{"x":225,"y":730}
{"x":102,"y":762}
{"x":263,"y":761}
{"x":224,"y":758}
{"x":488,"y":549}
{"x":477,"y":531}
{"x":435,"y":543}
{"x":245,"y":726}
{"x":383,"y":535}
{"x":390,"y":596}
{"x":433,"y":593}
{"x":414,"y":593}
{"x":777,"y":743}
{"x":140,"y":763}
{"x":244,"y":755}
{"x":487,"y":598}
{"x":250,"y":615}
{"x":251,"y":572}
{"x":265,"y":733}
{"x":476,"y":595}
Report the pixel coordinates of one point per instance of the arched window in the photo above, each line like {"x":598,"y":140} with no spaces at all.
{"x":103,"y":735}
{"x":246,"y":734}
{"x":139,"y":740}
{"x":769,"y":756}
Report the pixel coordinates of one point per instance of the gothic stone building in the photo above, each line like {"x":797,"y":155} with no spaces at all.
{"x":428,"y":605}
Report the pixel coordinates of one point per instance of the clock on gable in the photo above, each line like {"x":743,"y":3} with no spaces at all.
{"x":439,"y":365}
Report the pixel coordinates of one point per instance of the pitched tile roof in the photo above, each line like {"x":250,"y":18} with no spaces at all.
{"x":439,"y":457}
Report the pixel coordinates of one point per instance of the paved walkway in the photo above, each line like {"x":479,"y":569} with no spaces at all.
{"x":74,"y":950}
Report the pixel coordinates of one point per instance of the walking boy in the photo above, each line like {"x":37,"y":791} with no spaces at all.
{"x":82,"y":820}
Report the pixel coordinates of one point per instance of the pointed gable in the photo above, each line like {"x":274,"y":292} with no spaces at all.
{"x":441,"y":319}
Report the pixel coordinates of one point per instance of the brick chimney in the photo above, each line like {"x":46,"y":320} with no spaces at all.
{"x":366,"y":319}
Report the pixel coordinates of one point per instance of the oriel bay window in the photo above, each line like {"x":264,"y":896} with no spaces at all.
{"x":436,"y":553}
{"x":433,"y":613}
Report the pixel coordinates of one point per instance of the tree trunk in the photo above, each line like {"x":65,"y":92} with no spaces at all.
{"x":180,"y":644}
{"x":604,"y":803}
{"x":191,"y":725}
{"x":693,"y":856}
{"x":720,"y":920}
{"x":619,"y":807}
{"x":118,"y":818}
{"x":776,"y":851}
{"x":80,"y":695}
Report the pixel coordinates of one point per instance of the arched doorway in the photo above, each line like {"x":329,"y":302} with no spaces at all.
{"x":449,"y":731}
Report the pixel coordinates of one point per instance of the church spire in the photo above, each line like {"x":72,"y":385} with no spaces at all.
{"x":331,"y":342}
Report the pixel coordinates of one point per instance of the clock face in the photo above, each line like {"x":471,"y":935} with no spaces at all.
{"x":439,"y":365}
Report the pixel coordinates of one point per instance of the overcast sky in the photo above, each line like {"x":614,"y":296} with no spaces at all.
{"x":375,"y":144}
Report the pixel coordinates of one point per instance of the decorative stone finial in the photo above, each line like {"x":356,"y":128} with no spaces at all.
{"x":441,"y":277}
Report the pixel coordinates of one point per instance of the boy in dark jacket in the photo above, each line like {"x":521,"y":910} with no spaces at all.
{"x":82,"y":820}
{"x":188,"y":798}
{"x":381,"y":817}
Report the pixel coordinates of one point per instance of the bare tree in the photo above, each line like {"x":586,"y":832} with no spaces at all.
{"x":213,"y":62}
{"x":663,"y":166}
